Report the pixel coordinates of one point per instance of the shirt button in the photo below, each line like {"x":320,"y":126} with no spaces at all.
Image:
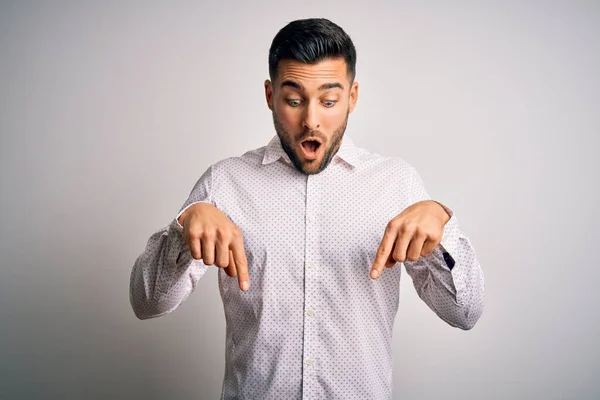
{"x":311,"y":264}
{"x":310,"y":312}
{"x":309,"y":361}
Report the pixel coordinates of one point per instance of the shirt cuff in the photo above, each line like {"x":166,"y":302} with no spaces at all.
{"x":450,"y":238}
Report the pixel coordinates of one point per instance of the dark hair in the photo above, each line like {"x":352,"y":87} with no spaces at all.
{"x":310,"y":41}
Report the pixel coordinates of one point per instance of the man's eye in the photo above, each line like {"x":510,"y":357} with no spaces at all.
{"x":293,"y":102}
{"x":329,"y":103}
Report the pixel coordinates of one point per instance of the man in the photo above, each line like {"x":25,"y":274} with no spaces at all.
{"x":308,"y":232}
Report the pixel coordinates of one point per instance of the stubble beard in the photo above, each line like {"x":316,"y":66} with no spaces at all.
{"x":288,"y":142}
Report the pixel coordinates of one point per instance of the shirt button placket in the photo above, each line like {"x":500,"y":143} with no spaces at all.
{"x":310,"y":288}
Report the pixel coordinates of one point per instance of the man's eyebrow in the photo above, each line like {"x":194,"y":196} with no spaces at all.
{"x":331,"y":85}
{"x":293,"y":84}
{"x":325,"y":86}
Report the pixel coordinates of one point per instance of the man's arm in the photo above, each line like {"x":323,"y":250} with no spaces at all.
{"x":449,"y":280}
{"x":165,"y":274}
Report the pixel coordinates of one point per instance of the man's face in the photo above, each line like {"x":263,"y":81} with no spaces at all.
{"x":310,"y":105}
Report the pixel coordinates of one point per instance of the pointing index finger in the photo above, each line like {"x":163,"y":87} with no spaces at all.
{"x":383,"y":252}
{"x":241,"y":263}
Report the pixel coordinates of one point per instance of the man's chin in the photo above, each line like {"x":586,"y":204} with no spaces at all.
{"x":311,"y":167}
{"x":310,"y":170}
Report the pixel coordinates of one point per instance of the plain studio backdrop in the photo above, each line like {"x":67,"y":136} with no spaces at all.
{"x":109,"y":113}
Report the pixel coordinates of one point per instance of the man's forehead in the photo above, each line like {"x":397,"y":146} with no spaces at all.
{"x":313,"y":76}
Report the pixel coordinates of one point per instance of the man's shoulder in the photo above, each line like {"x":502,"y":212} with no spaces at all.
{"x":249,"y":158}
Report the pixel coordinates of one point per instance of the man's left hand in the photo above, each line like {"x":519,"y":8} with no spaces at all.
{"x":414,"y":232}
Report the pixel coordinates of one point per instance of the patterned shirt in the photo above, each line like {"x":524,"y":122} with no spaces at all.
{"x":313,"y":324}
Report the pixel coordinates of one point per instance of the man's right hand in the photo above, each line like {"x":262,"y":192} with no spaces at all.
{"x":213,"y":238}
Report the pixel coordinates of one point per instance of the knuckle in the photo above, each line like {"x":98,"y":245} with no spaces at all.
{"x":420,"y":233}
{"x":409,"y":226}
{"x":221,"y":233}
{"x":193,"y":232}
{"x":236,"y":233}
{"x":436,"y":237}
{"x":412,"y":257}
{"x":209,"y":235}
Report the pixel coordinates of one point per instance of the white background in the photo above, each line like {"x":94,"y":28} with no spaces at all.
{"x":110,"y":111}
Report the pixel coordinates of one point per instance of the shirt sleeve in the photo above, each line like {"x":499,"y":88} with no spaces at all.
{"x":165,"y":274}
{"x":449,"y":280}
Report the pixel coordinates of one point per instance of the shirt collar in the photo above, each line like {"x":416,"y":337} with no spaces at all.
{"x":348,"y":152}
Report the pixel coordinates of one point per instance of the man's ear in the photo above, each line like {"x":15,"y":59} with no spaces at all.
{"x":353,"y":96}
{"x":269,"y":94}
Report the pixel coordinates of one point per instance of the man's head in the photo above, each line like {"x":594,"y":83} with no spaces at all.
{"x":312,"y":65}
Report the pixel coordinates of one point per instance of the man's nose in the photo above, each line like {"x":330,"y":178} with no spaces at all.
{"x":311,"y":117}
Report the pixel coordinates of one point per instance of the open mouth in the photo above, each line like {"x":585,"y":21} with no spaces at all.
{"x":310,"y":148}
